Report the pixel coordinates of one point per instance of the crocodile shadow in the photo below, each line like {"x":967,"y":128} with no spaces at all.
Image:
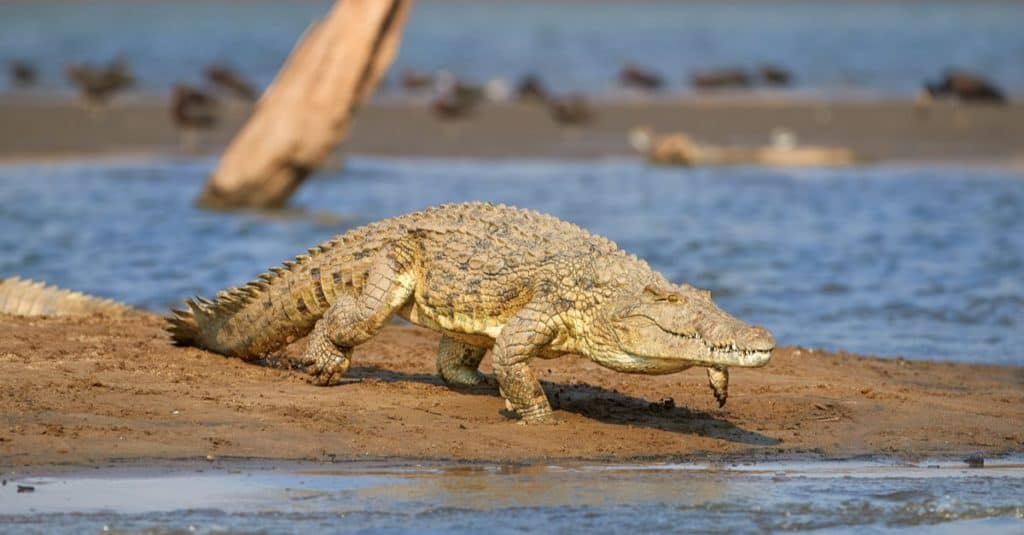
{"x":597,"y":403}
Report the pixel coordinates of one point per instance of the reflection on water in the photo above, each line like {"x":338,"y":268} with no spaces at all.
{"x":916,"y":261}
{"x":470,"y":498}
{"x":885,"y":46}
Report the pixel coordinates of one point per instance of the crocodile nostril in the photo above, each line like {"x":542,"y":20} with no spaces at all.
{"x":758,"y":337}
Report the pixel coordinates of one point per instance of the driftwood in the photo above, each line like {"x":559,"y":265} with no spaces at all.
{"x":307,"y":110}
{"x":681,"y":149}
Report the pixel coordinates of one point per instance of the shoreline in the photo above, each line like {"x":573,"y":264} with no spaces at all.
{"x":880,"y":131}
{"x":162,"y":467}
{"x":91,"y":391}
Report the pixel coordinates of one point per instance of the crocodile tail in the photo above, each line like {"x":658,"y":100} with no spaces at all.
{"x":258,"y":318}
{"x":183,"y":325}
{"x":22,"y":297}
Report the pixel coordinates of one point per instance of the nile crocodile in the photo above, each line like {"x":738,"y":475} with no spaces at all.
{"x":20,"y":297}
{"x":514,"y":281}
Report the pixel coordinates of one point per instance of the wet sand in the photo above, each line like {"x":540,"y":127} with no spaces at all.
{"x":84,"y":391}
{"x":36,"y":128}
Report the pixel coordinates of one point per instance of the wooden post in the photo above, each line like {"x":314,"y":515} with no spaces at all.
{"x":307,"y":110}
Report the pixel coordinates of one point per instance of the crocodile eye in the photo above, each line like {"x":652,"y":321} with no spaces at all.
{"x":672,"y":298}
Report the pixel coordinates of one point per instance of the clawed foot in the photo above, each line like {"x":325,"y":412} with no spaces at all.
{"x":328,"y":371}
{"x":539,"y":416}
{"x":549,"y":419}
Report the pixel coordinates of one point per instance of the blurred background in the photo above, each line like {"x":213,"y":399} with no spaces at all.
{"x":831,"y":48}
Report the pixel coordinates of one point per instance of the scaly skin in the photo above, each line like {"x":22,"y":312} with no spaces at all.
{"x":20,"y":297}
{"x":522,"y":284}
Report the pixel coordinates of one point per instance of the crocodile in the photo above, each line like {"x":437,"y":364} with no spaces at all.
{"x":487,"y":277}
{"x":22,"y":297}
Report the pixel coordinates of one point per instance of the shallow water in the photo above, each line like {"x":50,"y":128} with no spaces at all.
{"x":924,"y":262}
{"x":888,"y":47}
{"x":434,"y":498}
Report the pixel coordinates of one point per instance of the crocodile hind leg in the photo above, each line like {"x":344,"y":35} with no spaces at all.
{"x":718,"y":378}
{"x":352,"y":320}
{"x":457,"y":362}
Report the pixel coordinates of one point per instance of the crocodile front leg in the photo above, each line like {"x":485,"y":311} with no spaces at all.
{"x":353,"y":320}
{"x":522,"y":338}
{"x":718,"y":378}
{"x":457,"y":362}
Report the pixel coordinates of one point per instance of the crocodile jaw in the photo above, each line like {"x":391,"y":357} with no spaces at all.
{"x":698,"y":355}
{"x":642,"y":345}
{"x":729,"y":357}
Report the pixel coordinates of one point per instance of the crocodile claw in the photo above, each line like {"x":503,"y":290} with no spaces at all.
{"x":718,"y":379}
{"x":328,"y":372}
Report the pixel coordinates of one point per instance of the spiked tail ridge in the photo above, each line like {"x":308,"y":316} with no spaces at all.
{"x":260,"y":317}
{"x":183,"y":325}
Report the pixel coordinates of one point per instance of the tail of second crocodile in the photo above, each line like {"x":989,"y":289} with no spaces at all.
{"x":260,"y":317}
{"x":21,"y":297}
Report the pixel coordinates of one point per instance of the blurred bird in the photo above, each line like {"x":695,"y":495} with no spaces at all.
{"x":675,"y":149}
{"x":120,"y":73}
{"x":452,"y":105}
{"x":680,"y":149}
{"x":22,"y":73}
{"x":96,"y":85}
{"x":226,"y":78}
{"x":775,"y":75}
{"x":414,"y":81}
{"x":570,"y":110}
{"x":965,"y":87}
{"x":638,"y":77}
{"x":192,"y":110}
{"x":470,"y":91}
{"x":783,"y":138}
{"x":455,"y":99}
{"x":531,"y":87}
{"x":496,"y":90}
{"x":721,"y":79}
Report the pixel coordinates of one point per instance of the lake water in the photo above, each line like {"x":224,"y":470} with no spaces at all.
{"x":870,"y":47}
{"x":923,"y":262}
{"x":842,"y":497}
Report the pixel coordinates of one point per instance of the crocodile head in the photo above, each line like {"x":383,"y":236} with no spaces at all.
{"x":667,"y":328}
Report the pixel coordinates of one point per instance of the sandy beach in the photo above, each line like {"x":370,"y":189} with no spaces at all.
{"x":35,"y":128}
{"x":93,"y":390}
{"x":84,"y":391}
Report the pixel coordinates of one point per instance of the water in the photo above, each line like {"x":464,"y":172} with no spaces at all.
{"x":854,"y":497}
{"x":924,"y":262}
{"x":877,"y":47}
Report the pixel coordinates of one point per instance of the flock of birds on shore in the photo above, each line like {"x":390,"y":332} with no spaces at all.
{"x":194,"y":108}
{"x":191,"y":108}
